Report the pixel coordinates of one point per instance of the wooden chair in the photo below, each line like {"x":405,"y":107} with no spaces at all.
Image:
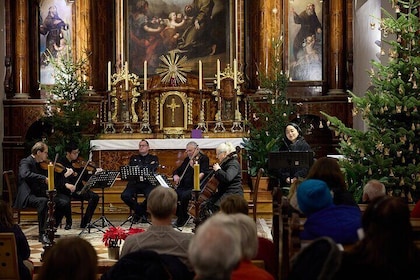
{"x":11,"y":183}
{"x":8,"y":257}
{"x":254,"y":194}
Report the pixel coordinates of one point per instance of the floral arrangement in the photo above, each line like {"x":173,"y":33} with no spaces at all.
{"x":113,"y":236}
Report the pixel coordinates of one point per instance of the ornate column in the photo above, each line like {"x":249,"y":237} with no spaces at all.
{"x":336,"y":53}
{"x":81,"y":36}
{"x":21,"y":60}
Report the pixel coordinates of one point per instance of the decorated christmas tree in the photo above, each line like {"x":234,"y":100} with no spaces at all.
{"x":67,"y":112}
{"x":389,"y":150}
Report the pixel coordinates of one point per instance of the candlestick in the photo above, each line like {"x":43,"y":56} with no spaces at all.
{"x":235,"y":72}
{"x":196,"y":176}
{"x":109,"y":75}
{"x":200,"y":75}
{"x":218,"y":73}
{"x":145,"y":75}
{"x":126,"y":75}
{"x":50,"y":176}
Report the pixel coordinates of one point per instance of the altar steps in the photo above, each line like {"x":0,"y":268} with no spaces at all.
{"x":116,"y":210}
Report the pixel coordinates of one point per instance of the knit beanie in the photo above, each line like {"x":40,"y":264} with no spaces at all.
{"x":313,"y":195}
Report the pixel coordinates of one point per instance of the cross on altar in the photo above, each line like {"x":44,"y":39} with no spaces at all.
{"x":173,"y":106}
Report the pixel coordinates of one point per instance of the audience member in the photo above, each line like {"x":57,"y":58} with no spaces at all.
{"x":249,"y":247}
{"x":233,"y":204}
{"x":215,"y":250}
{"x":70,"y":258}
{"x":22,"y":247}
{"x":373,"y":189}
{"x":328,"y":170}
{"x":160,"y":237}
{"x":340,"y":222}
{"x":387,"y":250}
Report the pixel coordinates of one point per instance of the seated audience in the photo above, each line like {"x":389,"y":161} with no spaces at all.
{"x":215,"y":250}
{"x":160,"y":237}
{"x":249,"y":246}
{"x":373,"y":189}
{"x":22,"y":247}
{"x":328,"y":170}
{"x":387,"y":250}
{"x":340,"y":222}
{"x":233,"y":204}
{"x":70,"y":258}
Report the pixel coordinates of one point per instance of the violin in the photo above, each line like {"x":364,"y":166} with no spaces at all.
{"x":79,"y":163}
{"x":58,"y":167}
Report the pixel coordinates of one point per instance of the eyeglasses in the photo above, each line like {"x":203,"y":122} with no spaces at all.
{"x":221,"y":152}
{"x":143,"y":145}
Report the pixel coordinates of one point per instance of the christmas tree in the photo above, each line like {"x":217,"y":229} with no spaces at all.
{"x":67,"y":111}
{"x":389,"y":150}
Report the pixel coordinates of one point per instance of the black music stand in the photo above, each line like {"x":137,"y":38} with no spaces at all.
{"x":104,"y":179}
{"x":288,"y":160}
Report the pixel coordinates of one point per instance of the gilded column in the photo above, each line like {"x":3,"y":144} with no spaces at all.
{"x":336,"y":53}
{"x":21,"y":69}
{"x":81,"y":36}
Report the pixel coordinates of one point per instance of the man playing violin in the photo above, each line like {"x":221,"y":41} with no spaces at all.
{"x":67,"y":189}
{"x":147,"y":162}
{"x":183,"y":178}
{"x":228,"y":174}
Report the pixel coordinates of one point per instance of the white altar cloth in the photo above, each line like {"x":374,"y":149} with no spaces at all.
{"x":159,"y":144}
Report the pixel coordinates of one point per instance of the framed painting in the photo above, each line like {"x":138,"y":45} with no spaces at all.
{"x":198,"y":30}
{"x":55,"y":33}
{"x":305,"y":40}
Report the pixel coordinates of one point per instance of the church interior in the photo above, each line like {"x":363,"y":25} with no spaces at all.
{"x":127,"y":70}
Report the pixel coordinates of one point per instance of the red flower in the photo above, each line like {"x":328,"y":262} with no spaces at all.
{"x":113,"y":236}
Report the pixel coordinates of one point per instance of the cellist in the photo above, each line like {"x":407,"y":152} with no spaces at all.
{"x":227,"y":173}
{"x":183,"y":178}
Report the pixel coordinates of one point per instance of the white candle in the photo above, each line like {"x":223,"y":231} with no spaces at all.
{"x":218,"y":73}
{"x":126,"y":75}
{"x":145,"y":74}
{"x":200,"y":75}
{"x":109,"y":75}
{"x":235,"y":72}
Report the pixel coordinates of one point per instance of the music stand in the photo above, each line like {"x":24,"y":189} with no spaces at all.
{"x":134,"y":172}
{"x":101,"y":180}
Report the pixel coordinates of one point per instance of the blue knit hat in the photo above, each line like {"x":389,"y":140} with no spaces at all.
{"x":313,"y":195}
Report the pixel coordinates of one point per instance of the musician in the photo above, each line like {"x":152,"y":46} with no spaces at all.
{"x":32,"y":186}
{"x":67,"y":188}
{"x":228,"y":174}
{"x":183,"y":178}
{"x":145,"y":161}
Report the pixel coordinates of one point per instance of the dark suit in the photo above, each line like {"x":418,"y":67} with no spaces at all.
{"x":150,"y":162}
{"x":32,"y":189}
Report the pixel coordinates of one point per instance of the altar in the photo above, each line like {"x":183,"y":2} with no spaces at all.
{"x":111,"y":154}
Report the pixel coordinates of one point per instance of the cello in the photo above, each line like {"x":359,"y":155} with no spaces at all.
{"x":208,"y":187}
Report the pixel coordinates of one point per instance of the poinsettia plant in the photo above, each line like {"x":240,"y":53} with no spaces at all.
{"x":113,"y":236}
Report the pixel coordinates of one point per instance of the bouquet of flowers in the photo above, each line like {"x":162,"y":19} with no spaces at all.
{"x":113,"y":236}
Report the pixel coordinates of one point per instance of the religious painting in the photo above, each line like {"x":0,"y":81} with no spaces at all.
{"x":305,"y":40}
{"x":197,"y":30}
{"x":55,"y":19}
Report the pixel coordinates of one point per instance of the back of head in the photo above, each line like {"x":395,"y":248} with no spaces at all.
{"x":249,"y":236}
{"x":234,"y":203}
{"x":313,"y":195}
{"x":70,"y":258}
{"x":328,"y":170}
{"x":38,"y":146}
{"x":226,"y":147}
{"x":372,"y":190}
{"x":215,"y":249}
{"x":162,"y":202}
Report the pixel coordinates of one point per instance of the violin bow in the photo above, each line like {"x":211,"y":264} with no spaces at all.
{"x":186,"y":167}
{"x":81,"y":173}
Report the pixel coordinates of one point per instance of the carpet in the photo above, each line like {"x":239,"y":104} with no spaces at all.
{"x":95,"y":236}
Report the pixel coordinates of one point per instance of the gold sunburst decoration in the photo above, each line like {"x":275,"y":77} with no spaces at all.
{"x":173,"y":70}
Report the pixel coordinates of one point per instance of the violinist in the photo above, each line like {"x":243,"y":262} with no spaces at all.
{"x":227,"y":173}
{"x":75,"y":173}
{"x":183,"y":177}
{"x":134,"y":186}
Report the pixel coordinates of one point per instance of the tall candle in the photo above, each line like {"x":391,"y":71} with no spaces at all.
{"x":109,"y":75}
{"x":126,"y":75}
{"x":200,"y":75}
{"x":196,"y":176}
{"x":50,"y":176}
{"x":218,"y":73}
{"x":235,"y":72}
{"x":145,"y":74}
